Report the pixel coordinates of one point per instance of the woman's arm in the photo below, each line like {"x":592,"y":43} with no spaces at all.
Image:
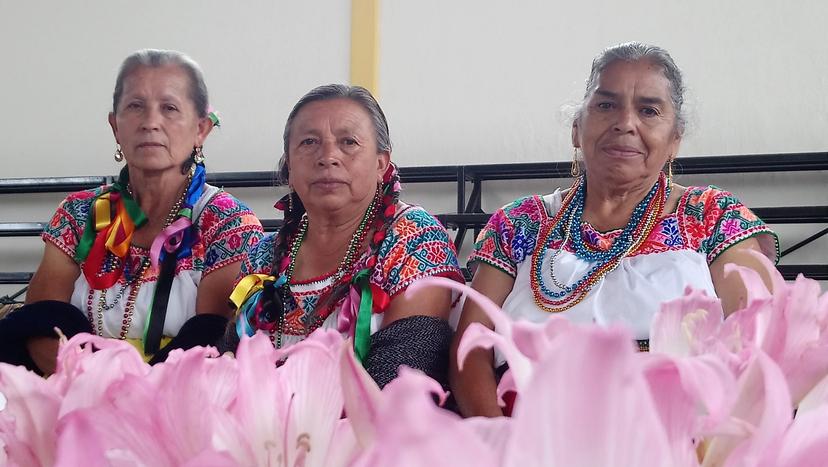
{"x":730,"y":289}
{"x":214,"y":289}
{"x":54,"y":280}
{"x":475,"y":388}
{"x":431,"y":301}
{"x":55,"y":277}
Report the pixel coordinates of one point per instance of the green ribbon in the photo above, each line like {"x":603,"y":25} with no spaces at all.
{"x":133,"y":210}
{"x":362,"y":331}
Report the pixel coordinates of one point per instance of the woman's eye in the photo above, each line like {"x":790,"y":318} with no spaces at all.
{"x":650,"y":111}
{"x":170,"y":107}
{"x":134,"y":105}
{"x":349,"y":141}
{"x":604,"y":105}
{"x":307,"y":142}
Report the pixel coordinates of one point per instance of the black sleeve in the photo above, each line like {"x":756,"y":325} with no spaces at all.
{"x":200,"y":330}
{"x":37,"y":319}
{"x":420,"y":342}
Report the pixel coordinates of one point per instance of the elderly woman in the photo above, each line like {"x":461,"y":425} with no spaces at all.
{"x":349,"y":247}
{"x":624,"y":238}
{"x":152,"y":257}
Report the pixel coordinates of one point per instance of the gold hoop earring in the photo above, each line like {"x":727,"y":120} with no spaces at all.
{"x":575,"y":168}
{"x":119,"y":155}
{"x":198,"y":155}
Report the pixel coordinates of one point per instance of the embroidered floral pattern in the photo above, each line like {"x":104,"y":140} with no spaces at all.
{"x":510,"y":235}
{"x":707,"y":220}
{"x":226,"y":226}
{"x":415,"y":246}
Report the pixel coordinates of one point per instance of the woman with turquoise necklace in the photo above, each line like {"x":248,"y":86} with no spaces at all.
{"x":624,"y":238}
{"x":349,"y":247}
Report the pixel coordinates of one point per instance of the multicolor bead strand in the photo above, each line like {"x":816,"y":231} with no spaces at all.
{"x":356,"y":241}
{"x":641,"y":224}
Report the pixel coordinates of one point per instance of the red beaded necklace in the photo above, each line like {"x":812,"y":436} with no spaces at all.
{"x":640,"y":233}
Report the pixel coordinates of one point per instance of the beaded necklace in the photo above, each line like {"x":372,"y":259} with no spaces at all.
{"x":567,"y":224}
{"x":342,"y":270}
{"x":134,"y":283}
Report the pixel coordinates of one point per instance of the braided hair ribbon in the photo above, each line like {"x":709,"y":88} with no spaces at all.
{"x":356,"y":319}
{"x":246,"y":297}
{"x":112,"y":220}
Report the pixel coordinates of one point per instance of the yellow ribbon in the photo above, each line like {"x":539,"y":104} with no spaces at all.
{"x":121,"y":220}
{"x":139,"y":346}
{"x":102,"y":219}
{"x":246,"y":287}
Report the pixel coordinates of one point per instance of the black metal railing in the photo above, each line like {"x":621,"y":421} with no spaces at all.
{"x":469,"y":214}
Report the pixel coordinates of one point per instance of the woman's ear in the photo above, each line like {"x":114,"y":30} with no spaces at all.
{"x":576,"y":140}
{"x":114,"y":125}
{"x":205,"y":126}
{"x":383,"y":159}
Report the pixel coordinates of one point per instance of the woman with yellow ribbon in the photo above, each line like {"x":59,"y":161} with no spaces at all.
{"x":348,"y":247}
{"x":150,"y":258}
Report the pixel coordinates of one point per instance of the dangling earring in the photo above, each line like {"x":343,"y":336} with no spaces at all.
{"x":670,"y":170}
{"x":575,"y":168}
{"x":290,"y":200}
{"x":119,"y":155}
{"x":198,"y":155}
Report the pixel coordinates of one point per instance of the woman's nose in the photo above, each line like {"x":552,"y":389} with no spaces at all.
{"x":329,"y":154}
{"x":626,"y":121}
{"x":151,"y":120}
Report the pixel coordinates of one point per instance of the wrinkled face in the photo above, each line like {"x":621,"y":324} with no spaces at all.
{"x":156,"y":122}
{"x":627,"y":129}
{"x":333,"y":157}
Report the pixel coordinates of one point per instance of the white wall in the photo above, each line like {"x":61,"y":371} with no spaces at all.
{"x":462,"y":81}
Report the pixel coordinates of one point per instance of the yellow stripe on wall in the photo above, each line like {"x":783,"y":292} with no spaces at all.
{"x":365,"y":44}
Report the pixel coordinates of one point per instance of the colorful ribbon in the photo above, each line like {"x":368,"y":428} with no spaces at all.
{"x":246,"y":297}
{"x":179,"y":235}
{"x":113,"y":218}
{"x":213,"y":115}
{"x":372,"y":299}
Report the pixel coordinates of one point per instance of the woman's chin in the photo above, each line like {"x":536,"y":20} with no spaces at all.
{"x":153,"y":165}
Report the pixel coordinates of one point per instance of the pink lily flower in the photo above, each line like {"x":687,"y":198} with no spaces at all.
{"x":27,"y":420}
{"x":403,"y":426}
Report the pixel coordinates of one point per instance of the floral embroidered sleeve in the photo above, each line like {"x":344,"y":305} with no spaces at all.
{"x":725,"y":221}
{"x":228,"y":228}
{"x":258,"y":259}
{"x":66,"y":227}
{"x":416,"y":246}
{"x":509,"y":236}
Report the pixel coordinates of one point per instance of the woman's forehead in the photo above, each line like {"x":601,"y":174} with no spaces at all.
{"x":168,"y":79}
{"x":640,"y":76}
{"x":336,"y":114}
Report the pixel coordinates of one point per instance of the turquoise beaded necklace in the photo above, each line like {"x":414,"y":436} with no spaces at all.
{"x":568,"y":226}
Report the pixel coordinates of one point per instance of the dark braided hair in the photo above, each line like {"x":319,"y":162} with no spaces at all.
{"x":273,"y":300}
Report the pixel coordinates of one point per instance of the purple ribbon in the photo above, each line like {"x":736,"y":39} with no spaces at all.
{"x":346,"y":321}
{"x":170,"y":239}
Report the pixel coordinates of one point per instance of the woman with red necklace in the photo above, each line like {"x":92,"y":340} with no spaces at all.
{"x":152,"y":257}
{"x":624,"y":238}
{"x":349,"y":247}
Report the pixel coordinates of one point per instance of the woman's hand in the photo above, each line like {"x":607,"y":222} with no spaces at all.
{"x":730,"y":289}
{"x":43,"y":351}
{"x":475,"y":387}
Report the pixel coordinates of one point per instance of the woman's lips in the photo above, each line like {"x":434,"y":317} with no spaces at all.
{"x":622,"y":151}
{"x":328,"y":183}
{"x":150,"y":145}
